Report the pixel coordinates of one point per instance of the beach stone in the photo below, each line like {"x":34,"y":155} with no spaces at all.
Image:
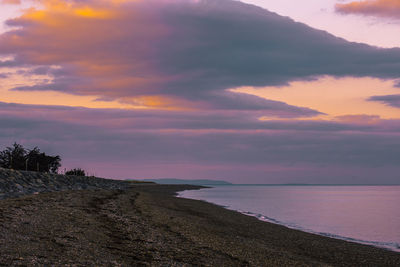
{"x":19,"y":187}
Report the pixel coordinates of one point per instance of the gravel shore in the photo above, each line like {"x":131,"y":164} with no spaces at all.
{"x":146,"y":225}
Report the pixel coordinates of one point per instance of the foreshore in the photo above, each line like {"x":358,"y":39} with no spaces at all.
{"x":146,"y":225}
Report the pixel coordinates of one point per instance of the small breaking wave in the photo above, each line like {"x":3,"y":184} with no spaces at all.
{"x":393,"y":246}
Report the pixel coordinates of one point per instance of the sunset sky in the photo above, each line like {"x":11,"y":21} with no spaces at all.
{"x":258,"y":91}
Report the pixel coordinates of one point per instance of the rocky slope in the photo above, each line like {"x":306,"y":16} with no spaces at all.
{"x":16,"y":183}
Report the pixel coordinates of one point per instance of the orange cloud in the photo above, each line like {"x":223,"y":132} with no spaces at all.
{"x":380,"y":8}
{"x":86,"y":38}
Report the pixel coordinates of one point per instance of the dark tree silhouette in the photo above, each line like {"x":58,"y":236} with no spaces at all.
{"x":18,"y":158}
{"x":13,"y":157}
{"x":77,"y":172}
{"x":37,"y":161}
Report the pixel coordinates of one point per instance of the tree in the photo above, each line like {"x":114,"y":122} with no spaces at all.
{"x":37,"y":161}
{"x":76,"y":172}
{"x":13,"y":157}
{"x":18,"y":158}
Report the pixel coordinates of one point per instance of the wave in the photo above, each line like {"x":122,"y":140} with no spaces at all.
{"x":393,"y":246}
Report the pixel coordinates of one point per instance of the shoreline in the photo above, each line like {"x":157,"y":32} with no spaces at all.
{"x":320,"y":236}
{"x":394,"y":247}
{"x":148,"y":225}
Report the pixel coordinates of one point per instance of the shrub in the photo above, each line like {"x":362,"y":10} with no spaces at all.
{"x":76,"y":172}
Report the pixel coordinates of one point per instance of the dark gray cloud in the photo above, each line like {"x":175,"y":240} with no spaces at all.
{"x":224,"y":44}
{"x":9,"y":63}
{"x":240,"y":101}
{"x":390,"y":100}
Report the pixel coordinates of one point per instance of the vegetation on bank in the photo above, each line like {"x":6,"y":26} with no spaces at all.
{"x":17,"y":157}
{"x":76,"y":172}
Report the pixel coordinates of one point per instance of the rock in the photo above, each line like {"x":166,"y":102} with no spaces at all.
{"x":19,"y":187}
{"x":14,"y":183}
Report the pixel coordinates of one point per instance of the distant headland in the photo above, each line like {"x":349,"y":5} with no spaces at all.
{"x":186,"y":181}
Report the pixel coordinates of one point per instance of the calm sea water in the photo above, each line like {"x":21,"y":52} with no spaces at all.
{"x":363,"y":214}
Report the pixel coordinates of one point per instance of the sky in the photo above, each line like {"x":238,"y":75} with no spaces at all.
{"x":259,"y":91}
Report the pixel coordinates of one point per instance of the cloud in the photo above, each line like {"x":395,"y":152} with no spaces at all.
{"x":160,"y":140}
{"x":378,"y":8}
{"x":359,"y":119}
{"x":390,"y":100}
{"x":8,"y":63}
{"x":11,"y":2}
{"x":182,"y":54}
{"x":143,"y":119}
{"x":181,"y":58}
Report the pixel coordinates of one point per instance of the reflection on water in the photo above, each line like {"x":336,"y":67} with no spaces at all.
{"x":364,"y":214}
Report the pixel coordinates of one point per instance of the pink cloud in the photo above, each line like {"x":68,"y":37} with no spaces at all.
{"x":379,"y":8}
{"x":359,"y":119}
{"x":11,"y":2}
{"x":228,"y":145}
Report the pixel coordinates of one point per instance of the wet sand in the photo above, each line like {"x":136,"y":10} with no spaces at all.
{"x":147,"y":226}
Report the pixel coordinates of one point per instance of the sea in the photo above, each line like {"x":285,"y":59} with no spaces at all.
{"x":363,"y":214}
